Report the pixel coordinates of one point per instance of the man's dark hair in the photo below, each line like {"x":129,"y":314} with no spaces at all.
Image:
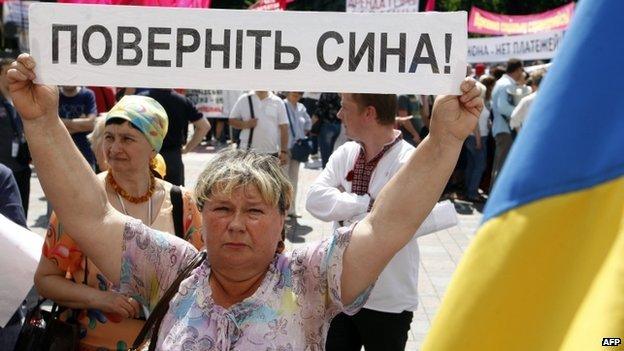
{"x":489,"y":82}
{"x":513,"y":65}
{"x":497,"y":72}
{"x":384,"y":104}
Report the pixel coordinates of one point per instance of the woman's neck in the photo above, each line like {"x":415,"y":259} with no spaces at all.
{"x":135,"y":183}
{"x":227,"y":292}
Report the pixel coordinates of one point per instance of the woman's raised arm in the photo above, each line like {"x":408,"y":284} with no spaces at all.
{"x":67,"y":180}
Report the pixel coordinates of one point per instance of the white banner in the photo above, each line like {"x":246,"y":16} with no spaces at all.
{"x":382,"y":5}
{"x":240,"y":50}
{"x":538,"y":46}
{"x":20,"y":252}
{"x":213,"y":103}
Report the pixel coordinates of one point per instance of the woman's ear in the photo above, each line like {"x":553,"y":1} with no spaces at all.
{"x":280,"y":244}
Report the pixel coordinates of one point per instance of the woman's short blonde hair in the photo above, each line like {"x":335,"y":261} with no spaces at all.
{"x":95,"y":137}
{"x":234,"y":169}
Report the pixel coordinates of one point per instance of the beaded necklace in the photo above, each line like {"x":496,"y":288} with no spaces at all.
{"x":134,"y":199}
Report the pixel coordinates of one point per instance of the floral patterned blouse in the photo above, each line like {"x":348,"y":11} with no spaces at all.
{"x":99,"y":330}
{"x":290,"y":310}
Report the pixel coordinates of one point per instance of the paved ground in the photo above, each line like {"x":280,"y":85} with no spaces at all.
{"x":440,"y":252}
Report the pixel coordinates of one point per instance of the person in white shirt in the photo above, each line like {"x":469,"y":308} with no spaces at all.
{"x":476,"y":144}
{"x":502,"y":107}
{"x":267,"y":128}
{"x":300,"y":125}
{"x":344,"y":193}
{"x":519,"y":114}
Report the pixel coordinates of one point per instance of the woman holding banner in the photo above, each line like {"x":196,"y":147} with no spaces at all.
{"x":248,"y":296}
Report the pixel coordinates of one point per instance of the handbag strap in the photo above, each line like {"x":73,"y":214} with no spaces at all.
{"x":292,"y":130}
{"x":85,"y":279}
{"x":176,"y":200}
{"x":253,"y":116}
{"x":153,"y":322}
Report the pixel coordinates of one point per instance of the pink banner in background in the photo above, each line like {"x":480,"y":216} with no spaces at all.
{"x":481,"y":21}
{"x":160,"y":3}
{"x":270,"y":5}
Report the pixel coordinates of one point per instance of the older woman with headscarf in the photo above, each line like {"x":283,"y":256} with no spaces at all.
{"x":131,"y":137}
{"x":245,"y":296}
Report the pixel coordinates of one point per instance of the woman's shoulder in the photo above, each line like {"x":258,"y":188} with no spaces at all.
{"x":315,"y":253}
{"x":188,"y":197}
{"x":137,"y":233}
{"x":164,"y":184}
{"x":186,"y":193}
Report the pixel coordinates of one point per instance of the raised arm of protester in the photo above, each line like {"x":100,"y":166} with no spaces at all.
{"x":397,"y":213}
{"x":77,"y":197}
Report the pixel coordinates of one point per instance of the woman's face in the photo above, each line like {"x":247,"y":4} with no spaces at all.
{"x":241,"y":232}
{"x":125,"y":148}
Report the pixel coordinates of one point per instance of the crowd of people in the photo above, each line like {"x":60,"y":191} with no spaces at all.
{"x":124,"y":227}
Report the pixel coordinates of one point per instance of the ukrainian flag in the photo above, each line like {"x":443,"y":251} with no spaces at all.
{"x":546,"y":269}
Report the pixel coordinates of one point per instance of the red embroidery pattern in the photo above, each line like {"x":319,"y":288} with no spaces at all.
{"x":362,"y":171}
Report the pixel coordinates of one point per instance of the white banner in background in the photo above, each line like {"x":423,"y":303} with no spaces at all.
{"x":382,"y":5}
{"x":21,"y":250}
{"x":161,"y":47}
{"x":538,"y":46}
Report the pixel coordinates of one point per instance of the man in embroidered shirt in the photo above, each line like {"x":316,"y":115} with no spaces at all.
{"x":344,"y":192}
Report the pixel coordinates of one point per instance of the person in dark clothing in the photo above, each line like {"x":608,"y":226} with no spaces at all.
{"x":10,"y":200}
{"x":327,"y":114}
{"x":77,"y":110}
{"x":180,"y":111}
{"x":408,"y":107}
{"x":310,"y":102}
{"x":13,"y":148}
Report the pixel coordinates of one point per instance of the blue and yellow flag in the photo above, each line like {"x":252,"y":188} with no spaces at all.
{"x":546,"y":269}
